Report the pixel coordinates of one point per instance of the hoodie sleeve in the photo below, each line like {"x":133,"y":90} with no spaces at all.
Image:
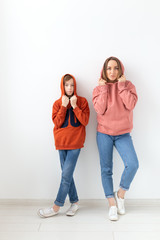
{"x":82,"y":113}
{"x":127,"y":92}
{"x":58,"y":114}
{"x":100,"y":97}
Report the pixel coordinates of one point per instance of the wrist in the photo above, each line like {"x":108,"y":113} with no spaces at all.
{"x":74,"y":106}
{"x":121,"y":81}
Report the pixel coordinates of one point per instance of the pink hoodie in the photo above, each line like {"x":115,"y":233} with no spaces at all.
{"x":114,"y":104}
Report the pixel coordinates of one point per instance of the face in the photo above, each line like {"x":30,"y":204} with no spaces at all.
{"x":112,"y":70}
{"x":69,"y":87}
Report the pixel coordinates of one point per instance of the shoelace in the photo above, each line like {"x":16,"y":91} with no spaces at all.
{"x":48,"y":210}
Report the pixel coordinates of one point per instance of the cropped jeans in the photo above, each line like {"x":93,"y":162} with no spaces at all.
{"x":124,"y":145}
{"x":68,"y":160}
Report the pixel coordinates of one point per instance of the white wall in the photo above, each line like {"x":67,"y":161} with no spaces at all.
{"x":40,"y":41}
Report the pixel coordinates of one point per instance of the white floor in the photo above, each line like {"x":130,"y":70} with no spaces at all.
{"x":19,"y":221}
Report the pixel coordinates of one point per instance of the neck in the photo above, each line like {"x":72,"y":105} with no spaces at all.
{"x":109,"y":81}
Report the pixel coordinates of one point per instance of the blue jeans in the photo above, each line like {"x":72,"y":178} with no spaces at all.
{"x":68,"y":160}
{"x":124,"y":146}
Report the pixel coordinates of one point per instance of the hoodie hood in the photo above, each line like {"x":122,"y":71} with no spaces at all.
{"x":122,"y":66}
{"x":62,"y":86}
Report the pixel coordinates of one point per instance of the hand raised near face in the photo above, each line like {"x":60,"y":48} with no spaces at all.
{"x":122,"y":79}
{"x":101,"y":82}
{"x":73,"y":101}
{"x":65,"y":101}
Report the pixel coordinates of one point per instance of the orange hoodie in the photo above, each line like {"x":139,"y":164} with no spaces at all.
{"x":69,"y":130}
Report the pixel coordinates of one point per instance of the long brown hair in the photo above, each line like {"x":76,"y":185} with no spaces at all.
{"x":104,"y":70}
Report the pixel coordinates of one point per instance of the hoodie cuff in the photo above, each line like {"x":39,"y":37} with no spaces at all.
{"x":63,"y":109}
{"x":76,"y":109}
{"x":121,"y":85}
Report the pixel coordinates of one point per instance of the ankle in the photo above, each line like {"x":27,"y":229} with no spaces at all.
{"x":56,"y":208}
{"x":120,"y":195}
{"x":111,"y":202}
{"x":112,"y":205}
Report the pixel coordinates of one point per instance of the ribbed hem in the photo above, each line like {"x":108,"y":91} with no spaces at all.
{"x":113,"y":133}
{"x":68,"y":148}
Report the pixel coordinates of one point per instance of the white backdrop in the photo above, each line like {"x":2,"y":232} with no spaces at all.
{"x":40,"y":41}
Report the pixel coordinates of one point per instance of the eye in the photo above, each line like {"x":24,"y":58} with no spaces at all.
{"x":116,"y":68}
{"x":109,"y":68}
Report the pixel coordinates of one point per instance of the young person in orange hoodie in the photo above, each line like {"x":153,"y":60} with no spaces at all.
{"x":70,"y":115}
{"x":114,"y":100}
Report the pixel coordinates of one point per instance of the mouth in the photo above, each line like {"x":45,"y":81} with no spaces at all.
{"x":69,"y":93}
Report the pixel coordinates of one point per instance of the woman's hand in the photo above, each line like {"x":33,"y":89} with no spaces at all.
{"x":101,"y":82}
{"x":73,"y":101}
{"x":122,"y":79}
{"x":65,"y":101}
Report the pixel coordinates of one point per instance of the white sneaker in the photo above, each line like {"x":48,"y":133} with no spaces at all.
{"x":47,"y":212}
{"x":72,"y":210}
{"x":120,"y":204}
{"x":113,"y":213}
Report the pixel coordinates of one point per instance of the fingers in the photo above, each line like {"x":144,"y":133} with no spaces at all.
{"x":73,"y":101}
{"x":65,"y":100}
{"x":65,"y":97}
{"x":101,"y":82}
{"x":122,"y":79}
{"x":73,"y":97}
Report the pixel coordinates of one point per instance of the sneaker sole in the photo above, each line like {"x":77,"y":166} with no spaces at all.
{"x":71,"y":215}
{"x":42,"y":216}
{"x":114,"y":219}
{"x":120,"y":213}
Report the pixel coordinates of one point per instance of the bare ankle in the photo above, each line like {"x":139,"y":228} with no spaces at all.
{"x":120,"y":194}
{"x":111,"y":202}
{"x":56,"y":208}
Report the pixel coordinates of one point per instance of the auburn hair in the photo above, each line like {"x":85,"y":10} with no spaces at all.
{"x":66,"y":78}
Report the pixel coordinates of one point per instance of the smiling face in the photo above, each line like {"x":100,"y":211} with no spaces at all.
{"x":112,"y":71}
{"x":69,"y":87}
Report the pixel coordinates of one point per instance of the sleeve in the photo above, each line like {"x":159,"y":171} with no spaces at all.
{"x":127,"y":92}
{"x":82,"y":113}
{"x":100,"y":97}
{"x":58,"y":114}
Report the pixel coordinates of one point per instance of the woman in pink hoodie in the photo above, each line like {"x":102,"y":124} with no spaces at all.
{"x":114,"y":100}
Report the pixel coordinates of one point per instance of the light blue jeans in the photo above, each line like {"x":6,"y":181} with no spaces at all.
{"x":68,"y":160}
{"x":124,"y":146}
